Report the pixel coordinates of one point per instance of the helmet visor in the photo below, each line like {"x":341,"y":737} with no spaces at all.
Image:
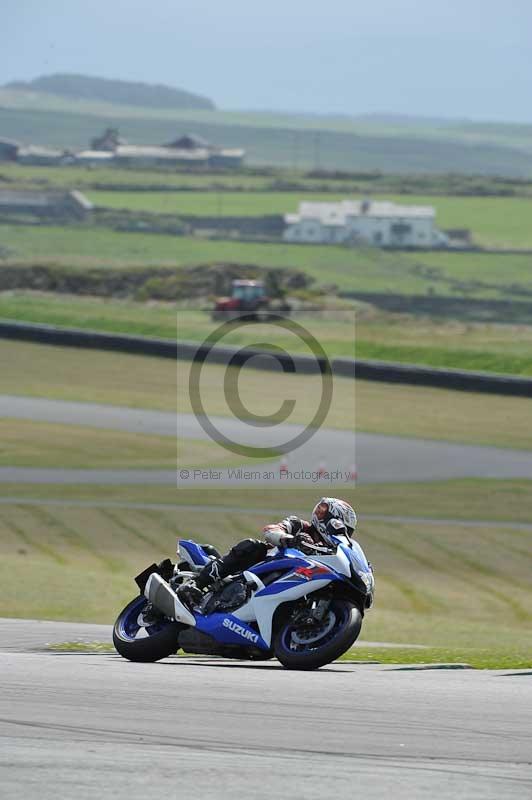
{"x":320,"y":513}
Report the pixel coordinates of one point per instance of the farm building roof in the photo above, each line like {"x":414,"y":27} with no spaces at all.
{"x":81,"y":200}
{"x":163,"y":153}
{"x":189,"y":142}
{"x":95,"y":155}
{"x":338,"y":213}
{"x":234,"y":152}
{"x":37,"y":150}
{"x":13,"y":200}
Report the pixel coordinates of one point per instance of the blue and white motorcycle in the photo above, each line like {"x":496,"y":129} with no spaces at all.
{"x":304,"y":608}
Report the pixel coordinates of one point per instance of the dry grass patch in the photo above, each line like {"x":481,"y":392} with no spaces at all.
{"x":40,"y":444}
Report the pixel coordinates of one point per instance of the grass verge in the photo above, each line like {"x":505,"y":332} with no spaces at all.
{"x":341,"y":332}
{"x":81,"y":647}
{"x":373,"y":407}
{"x":476,"y":658}
{"x":40,"y":444}
{"x":139,"y":382}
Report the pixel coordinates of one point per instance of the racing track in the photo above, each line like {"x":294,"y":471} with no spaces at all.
{"x":377,"y":458}
{"x":93,"y":725}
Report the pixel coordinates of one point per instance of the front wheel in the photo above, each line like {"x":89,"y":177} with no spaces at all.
{"x":138,"y":639}
{"x":302,"y":645}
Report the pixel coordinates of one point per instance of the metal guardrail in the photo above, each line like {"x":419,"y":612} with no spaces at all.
{"x":417,"y":375}
{"x":75,"y":337}
{"x":382,"y":371}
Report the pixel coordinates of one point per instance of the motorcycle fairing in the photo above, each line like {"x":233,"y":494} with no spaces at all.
{"x":229,"y":629}
{"x":293,"y":585}
{"x":265,"y":603}
{"x":288,"y":560}
{"x":302,"y":576}
{"x":193,"y":553}
{"x":224,"y":627}
{"x":360,"y":564}
{"x":355,"y":554}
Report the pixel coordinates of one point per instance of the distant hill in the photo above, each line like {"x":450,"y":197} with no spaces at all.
{"x":312,"y":141}
{"x":83,"y":87}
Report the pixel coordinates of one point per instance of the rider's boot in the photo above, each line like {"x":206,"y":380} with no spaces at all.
{"x":190,"y":595}
{"x":240,"y":557}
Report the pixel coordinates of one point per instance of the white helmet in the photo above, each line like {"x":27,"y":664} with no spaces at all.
{"x":332,"y":508}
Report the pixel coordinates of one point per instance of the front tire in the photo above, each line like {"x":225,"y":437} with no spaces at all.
{"x":307,"y":649}
{"x":159,"y":640}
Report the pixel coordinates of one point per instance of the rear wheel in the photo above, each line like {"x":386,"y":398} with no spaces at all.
{"x":146,"y":640}
{"x":300,"y":644}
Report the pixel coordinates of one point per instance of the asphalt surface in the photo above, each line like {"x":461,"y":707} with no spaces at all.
{"x":376,"y":458}
{"x":92,"y":726}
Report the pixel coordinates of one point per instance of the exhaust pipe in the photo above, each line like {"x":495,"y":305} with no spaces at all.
{"x":163,"y":597}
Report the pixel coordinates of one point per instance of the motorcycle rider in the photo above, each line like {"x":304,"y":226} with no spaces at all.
{"x":331,"y":516}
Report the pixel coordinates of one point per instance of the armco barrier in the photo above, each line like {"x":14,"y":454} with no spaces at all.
{"x":463,"y":308}
{"x":414,"y":375}
{"x":73,"y":337}
{"x":344,"y":367}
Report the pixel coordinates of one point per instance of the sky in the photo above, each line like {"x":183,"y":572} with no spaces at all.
{"x":437,"y":58}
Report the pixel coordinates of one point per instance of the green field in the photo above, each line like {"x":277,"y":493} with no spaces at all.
{"x":388,"y":337}
{"x":493,"y":221}
{"x":125,"y":179}
{"x":440,"y":585}
{"x":362,"y":270}
{"x":286,"y":180}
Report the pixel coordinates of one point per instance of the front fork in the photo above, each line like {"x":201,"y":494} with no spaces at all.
{"x":313,"y":612}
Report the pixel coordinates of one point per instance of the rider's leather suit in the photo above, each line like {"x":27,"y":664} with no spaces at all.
{"x":248,"y":552}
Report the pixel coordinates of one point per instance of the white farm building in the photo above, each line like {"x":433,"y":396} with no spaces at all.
{"x":380,"y":224}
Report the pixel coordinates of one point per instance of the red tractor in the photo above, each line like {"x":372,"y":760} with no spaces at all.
{"x":248,"y":299}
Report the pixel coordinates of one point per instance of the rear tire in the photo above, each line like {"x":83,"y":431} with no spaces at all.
{"x":344,"y":632}
{"x":162,"y":640}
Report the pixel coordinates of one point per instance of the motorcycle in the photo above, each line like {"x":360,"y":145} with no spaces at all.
{"x":302,"y":606}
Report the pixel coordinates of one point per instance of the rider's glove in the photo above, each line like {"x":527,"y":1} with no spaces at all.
{"x":294,"y":525}
{"x":305,"y":542}
{"x":277,"y":536}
